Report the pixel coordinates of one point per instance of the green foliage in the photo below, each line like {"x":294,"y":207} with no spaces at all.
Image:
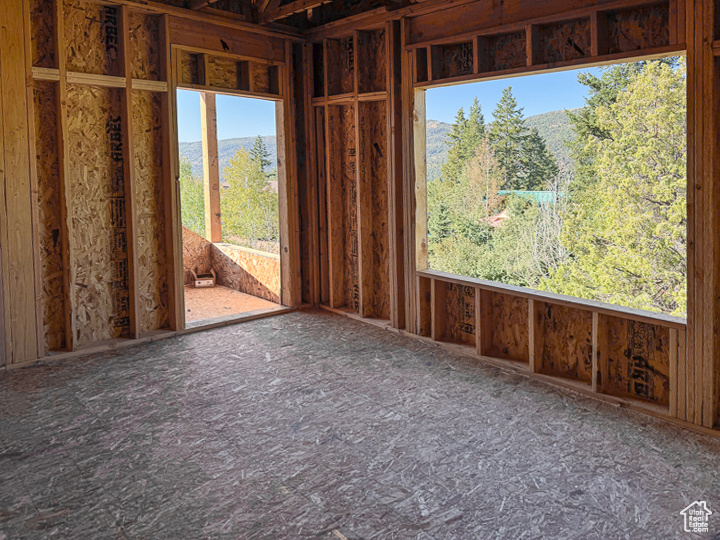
{"x":249,"y":206}
{"x":192,"y":199}
{"x":465,"y":136}
{"x":260,"y":153}
{"x":615,"y":229}
{"x":626,"y":230}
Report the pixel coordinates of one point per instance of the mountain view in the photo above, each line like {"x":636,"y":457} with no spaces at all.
{"x":192,"y":151}
{"x":553,"y":126}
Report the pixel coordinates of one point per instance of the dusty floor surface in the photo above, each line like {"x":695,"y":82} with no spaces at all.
{"x":311,"y":425}
{"x":219,"y":301}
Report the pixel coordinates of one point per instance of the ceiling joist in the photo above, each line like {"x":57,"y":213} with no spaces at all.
{"x":275,"y":13}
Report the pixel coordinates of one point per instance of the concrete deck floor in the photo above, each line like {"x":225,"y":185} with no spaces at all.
{"x":313,"y":425}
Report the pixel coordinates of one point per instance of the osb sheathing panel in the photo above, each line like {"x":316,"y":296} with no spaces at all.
{"x":637,"y":356}
{"x":42,"y":22}
{"x":197,"y":254}
{"x":638,"y":28}
{"x":97,"y":210}
{"x":49,"y":208}
{"x":150,"y":215}
{"x":189,"y":69}
{"x":460,"y":315}
{"x":260,"y":77}
{"x":374,"y":177}
{"x":505,"y":51}
{"x":505,"y":326}
{"x":341,"y":65}
{"x":452,"y":60}
{"x":563,"y":41}
{"x":144,"y":46}
{"x":247,"y":271}
{"x":222,"y":73}
{"x":92,"y":38}
{"x":372,"y":64}
{"x":563,"y":339}
{"x":342,"y":201}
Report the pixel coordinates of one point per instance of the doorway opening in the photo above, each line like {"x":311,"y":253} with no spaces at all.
{"x":229,"y":205}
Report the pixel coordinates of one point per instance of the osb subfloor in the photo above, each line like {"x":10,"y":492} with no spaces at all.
{"x":312,"y":425}
{"x":219,"y":301}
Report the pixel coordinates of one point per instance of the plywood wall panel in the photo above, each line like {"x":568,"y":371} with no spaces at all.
{"x":374,"y":208}
{"x":635,"y":357}
{"x":504,"y":326}
{"x":372,"y":61}
{"x":97,"y":211}
{"x":563,"y":341}
{"x":144,"y":46}
{"x":92,"y":37}
{"x":50,"y":233}
{"x":459,"y":324}
{"x":341,"y":65}
{"x":150,"y":215}
{"x":43,"y":43}
{"x":342,"y":208}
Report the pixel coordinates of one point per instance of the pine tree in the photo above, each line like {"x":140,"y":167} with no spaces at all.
{"x":507,"y":135}
{"x":259,"y":153}
{"x":466,"y":135}
{"x":538,"y":164}
{"x":440,"y":223}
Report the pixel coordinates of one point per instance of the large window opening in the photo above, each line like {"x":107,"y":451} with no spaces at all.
{"x":572,"y":183}
{"x":229,"y":205}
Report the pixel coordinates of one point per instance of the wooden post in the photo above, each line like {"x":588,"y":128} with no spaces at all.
{"x":171,"y":191}
{"x":211,"y":168}
{"x":16,"y":228}
{"x":595,"y":330}
{"x":395,"y":178}
{"x":129,"y":172}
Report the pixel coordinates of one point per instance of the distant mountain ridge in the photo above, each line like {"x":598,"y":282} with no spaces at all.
{"x":554,"y":127}
{"x":227,"y":148}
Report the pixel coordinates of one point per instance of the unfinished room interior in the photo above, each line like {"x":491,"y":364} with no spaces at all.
{"x":385,"y":319}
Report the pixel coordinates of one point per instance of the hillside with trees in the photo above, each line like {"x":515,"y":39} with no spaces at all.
{"x":611,"y":226}
{"x":248,"y":201}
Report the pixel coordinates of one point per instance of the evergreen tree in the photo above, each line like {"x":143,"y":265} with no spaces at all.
{"x":259,"y":153}
{"x":626,"y":230}
{"x":440,"y":223}
{"x":538,"y":164}
{"x":507,"y":135}
{"x":466,"y":135}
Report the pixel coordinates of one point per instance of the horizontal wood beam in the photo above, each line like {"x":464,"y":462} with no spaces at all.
{"x":289,"y":9}
{"x":199,"y":4}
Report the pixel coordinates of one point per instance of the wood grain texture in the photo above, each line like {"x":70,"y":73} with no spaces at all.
{"x":563,"y":341}
{"x":340,"y":55}
{"x":50,"y":201}
{"x":144,"y":47}
{"x":372,"y":61}
{"x":150,"y":210}
{"x":504,"y":326}
{"x":638,"y":28}
{"x":97,"y":210}
{"x":563,"y":41}
{"x":373,"y":197}
{"x":452,"y":60}
{"x":455,"y":313}
{"x":92,"y":38}
{"x":342,"y":208}
{"x":638,"y":360}
{"x":43,"y":29}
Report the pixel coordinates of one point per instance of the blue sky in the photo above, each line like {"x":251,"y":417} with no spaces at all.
{"x":537,"y":94}
{"x":246,"y":117}
{"x":237,"y":116}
